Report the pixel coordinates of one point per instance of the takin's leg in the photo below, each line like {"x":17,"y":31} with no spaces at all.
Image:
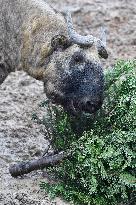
{"x":3,"y":73}
{"x":4,"y":69}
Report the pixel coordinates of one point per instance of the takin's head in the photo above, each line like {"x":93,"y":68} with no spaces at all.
{"x":74,"y":76}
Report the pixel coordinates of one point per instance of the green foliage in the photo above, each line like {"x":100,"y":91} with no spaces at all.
{"x":102,"y":167}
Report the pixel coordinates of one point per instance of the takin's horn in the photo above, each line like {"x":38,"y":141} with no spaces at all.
{"x":88,"y":40}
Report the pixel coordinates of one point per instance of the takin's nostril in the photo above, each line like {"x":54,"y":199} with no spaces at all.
{"x":88,"y":103}
{"x":88,"y":106}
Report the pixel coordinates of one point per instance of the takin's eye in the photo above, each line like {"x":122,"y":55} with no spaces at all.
{"x":78,"y":57}
{"x":60,"y":42}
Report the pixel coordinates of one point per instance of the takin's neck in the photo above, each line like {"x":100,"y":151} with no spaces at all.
{"x":37,"y":34}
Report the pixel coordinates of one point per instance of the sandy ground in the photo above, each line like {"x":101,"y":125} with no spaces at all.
{"x":22,"y":139}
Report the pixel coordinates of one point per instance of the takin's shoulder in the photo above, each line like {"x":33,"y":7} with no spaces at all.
{"x":37,"y":32}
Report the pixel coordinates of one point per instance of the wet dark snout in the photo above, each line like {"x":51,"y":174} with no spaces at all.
{"x":90,"y":106}
{"x":86,"y":83}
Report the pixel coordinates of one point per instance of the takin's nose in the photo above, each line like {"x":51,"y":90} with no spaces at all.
{"x":90,"y":106}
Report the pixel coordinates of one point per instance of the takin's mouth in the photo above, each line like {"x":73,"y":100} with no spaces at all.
{"x":75,"y":108}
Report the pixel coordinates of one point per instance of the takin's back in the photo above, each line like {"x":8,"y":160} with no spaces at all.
{"x":26,"y":27}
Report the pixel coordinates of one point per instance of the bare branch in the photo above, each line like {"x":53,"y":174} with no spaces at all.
{"x":45,"y":161}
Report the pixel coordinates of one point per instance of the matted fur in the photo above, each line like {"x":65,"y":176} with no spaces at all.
{"x":34,"y":37}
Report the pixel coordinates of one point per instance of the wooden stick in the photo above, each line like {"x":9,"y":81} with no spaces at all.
{"x":27,"y":167}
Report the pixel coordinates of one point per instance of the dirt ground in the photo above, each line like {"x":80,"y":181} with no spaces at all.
{"x":22,"y":139}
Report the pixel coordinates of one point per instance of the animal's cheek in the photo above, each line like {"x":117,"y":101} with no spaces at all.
{"x":50,"y":71}
{"x":53,"y":92}
{"x":46,"y":50}
{"x":50,"y":88}
{"x":51,"y":76}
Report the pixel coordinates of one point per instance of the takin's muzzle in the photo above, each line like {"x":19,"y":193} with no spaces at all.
{"x":83,"y":89}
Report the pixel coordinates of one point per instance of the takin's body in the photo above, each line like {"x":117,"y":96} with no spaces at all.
{"x":26,"y":30}
{"x":35,"y":38}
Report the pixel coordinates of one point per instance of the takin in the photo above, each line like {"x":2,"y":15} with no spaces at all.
{"x":38,"y":39}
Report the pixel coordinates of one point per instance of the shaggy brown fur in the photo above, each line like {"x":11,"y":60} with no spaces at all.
{"x":34,"y":37}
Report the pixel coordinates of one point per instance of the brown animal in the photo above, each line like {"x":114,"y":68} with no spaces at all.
{"x":42,"y":42}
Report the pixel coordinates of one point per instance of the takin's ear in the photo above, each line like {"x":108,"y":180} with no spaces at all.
{"x":102,"y":50}
{"x":101,"y":44}
{"x":60,"y":41}
{"x":4,"y":68}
